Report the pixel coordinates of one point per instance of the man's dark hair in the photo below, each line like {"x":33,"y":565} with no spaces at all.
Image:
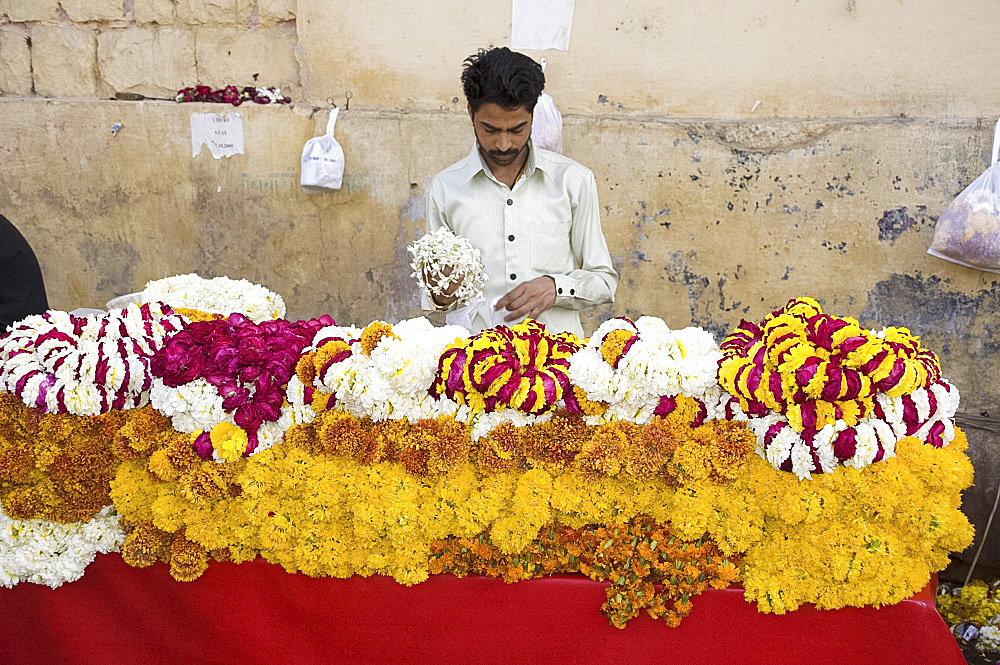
{"x":502,"y":77}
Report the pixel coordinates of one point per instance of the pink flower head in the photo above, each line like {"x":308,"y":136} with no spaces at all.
{"x":203,"y":446}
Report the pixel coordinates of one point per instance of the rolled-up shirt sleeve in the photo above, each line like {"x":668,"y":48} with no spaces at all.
{"x":595,"y":280}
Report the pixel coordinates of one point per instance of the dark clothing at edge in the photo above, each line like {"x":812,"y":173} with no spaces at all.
{"x":22,"y":291}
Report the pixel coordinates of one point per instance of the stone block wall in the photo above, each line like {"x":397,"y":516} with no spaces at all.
{"x":96,"y":48}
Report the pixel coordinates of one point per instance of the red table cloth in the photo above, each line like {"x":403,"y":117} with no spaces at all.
{"x":257,"y":613}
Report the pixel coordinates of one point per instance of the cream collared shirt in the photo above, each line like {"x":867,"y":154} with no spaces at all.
{"x":547,"y":224}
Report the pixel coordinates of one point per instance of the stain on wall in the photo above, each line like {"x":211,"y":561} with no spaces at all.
{"x":893,"y":223}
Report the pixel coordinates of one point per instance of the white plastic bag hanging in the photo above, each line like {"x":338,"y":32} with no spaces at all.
{"x":968,"y":231}
{"x":323,"y":160}
{"x":546,"y":123}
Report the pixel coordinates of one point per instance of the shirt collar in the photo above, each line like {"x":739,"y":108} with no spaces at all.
{"x":474,"y":163}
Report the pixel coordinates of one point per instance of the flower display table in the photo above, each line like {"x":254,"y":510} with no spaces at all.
{"x":258,"y":613}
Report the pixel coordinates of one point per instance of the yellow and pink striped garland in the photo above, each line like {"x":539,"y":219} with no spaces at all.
{"x":522,"y":367}
{"x":817,"y":369}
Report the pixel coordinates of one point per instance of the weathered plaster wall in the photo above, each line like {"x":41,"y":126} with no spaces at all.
{"x":872,"y":117}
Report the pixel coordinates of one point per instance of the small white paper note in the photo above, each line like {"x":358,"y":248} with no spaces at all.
{"x":541,"y":24}
{"x":221,"y":132}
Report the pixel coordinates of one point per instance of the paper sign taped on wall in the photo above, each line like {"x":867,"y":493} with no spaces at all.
{"x":221,"y":132}
{"x":541,"y":24}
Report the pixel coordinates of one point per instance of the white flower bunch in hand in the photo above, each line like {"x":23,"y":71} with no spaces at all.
{"x":448,"y":267}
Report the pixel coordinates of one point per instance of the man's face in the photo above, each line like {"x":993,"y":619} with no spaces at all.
{"x":502,"y":135}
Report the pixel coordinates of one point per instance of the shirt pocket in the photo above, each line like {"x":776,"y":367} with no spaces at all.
{"x":550,"y":233}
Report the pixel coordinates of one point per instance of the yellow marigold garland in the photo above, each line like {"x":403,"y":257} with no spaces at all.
{"x":381,"y":515}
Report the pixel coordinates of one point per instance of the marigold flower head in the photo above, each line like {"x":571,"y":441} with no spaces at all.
{"x":615,"y":345}
{"x":194,"y":315}
{"x":180,"y":453}
{"x":160,"y":466}
{"x":16,"y":465}
{"x":203,"y":483}
{"x":373,"y":334}
{"x":145,"y":545}
{"x":558,"y":441}
{"x":188,"y":559}
{"x":229,"y":441}
{"x":32,"y":502}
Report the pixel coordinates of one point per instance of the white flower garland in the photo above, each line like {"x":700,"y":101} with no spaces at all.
{"x":192,"y":406}
{"x":433,"y":252}
{"x":660,"y":363}
{"x":61,"y":363}
{"x":393,"y":382}
{"x":51,"y":553}
{"x":219,"y":295}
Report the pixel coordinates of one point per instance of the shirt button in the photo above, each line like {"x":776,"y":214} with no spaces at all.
{"x":572,"y":292}
{"x":513,"y":276}
{"x":560,"y":291}
{"x":510,"y":202}
{"x":511,"y":238}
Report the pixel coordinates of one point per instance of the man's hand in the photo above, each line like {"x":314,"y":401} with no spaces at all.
{"x":528,"y":299}
{"x":431,"y":278}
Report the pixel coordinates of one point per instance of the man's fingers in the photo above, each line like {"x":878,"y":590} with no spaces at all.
{"x":517,"y":303}
{"x":508,"y":298}
{"x":514,"y":316}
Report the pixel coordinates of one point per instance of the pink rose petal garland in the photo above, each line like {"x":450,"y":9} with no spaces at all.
{"x":230,"y":370}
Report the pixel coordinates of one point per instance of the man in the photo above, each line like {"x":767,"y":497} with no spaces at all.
{"x":22,"y":291}
{"x":532,"y":214}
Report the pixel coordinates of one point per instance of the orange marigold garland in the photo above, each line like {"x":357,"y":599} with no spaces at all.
{"x":648,"y":568}
{"x":54,"y":466}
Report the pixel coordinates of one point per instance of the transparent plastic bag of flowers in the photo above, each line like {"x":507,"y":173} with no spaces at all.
{"x":968,"y":231}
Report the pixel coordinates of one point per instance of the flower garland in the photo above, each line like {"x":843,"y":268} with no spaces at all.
{"x":816,"y":369}
{"x":522,"y":368}
{"x":219,"y":295}
{"x":52,"y":553}
{"x":402,"y":486}
{"x":232,"y":95}
{"x":489,"y":438}
{"x":820,"y":391}
{"x":61,"y":363}
{"x":224,"y":381}
{"x":639,"y":368}
{"x":636,"y":557}
{"x":435,"y":252}
{"x":58,"y":467}
{"x":398,"y":487}
{"x":383,"y":371}
{"x":927,"y":415}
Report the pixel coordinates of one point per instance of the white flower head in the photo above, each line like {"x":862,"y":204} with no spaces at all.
{"x":433,"y":252}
